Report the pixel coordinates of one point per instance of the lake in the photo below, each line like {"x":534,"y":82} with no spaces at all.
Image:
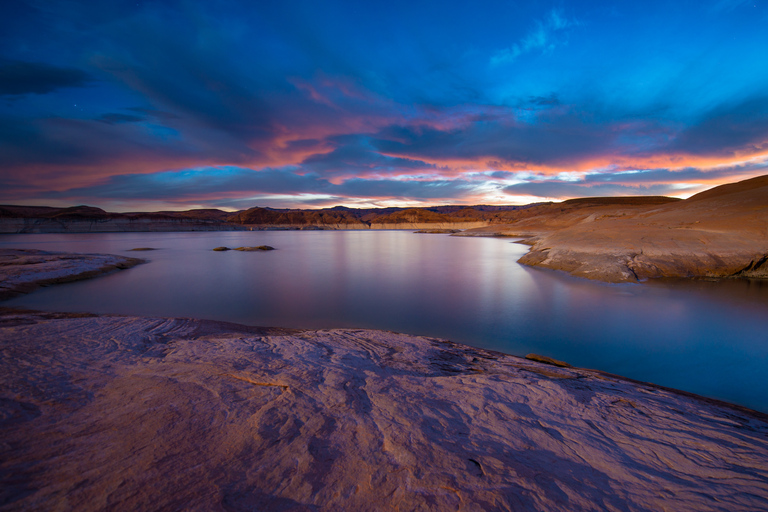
{"x":706,"y":337}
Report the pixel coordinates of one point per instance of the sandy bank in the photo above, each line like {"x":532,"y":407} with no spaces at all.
{"x":134,"y":413}
{"x":722,"y":232}
{"x":23,"y":270}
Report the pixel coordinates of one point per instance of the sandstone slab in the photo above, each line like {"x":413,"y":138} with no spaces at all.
{"x":126,"y":413}
{"x":23,"y":270}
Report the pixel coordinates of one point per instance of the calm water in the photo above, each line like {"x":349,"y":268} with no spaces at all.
{"x":709,"y":338}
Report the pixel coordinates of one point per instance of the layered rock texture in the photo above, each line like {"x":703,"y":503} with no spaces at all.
{"x":23,"y":270}
{"x":87,"y":219}
{"x":125,"y":413}
{"x":719,"y":233}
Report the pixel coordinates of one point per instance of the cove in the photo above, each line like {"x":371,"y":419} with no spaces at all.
{"x":705,"y":337}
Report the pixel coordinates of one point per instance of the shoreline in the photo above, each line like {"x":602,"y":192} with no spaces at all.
{"x":617,"y":261}
{"x":218,"y":415}
{"x":24,"y":270}
{"x":720,"y":233}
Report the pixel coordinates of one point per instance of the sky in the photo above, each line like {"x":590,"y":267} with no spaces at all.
{"x":232,"y":104}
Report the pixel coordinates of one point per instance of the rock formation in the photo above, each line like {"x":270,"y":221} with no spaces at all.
{"x":87,"y":219}
{"x":126,"y":413}
{"x":719,"y":233}
{"x":23,"y":270}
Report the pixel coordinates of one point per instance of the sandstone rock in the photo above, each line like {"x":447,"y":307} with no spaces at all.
{"x":126,"y":413}
{"x":547,"y":360}
{"x":254,"y":249}
{"x":722,"y":232}
{"x":23,"y":270}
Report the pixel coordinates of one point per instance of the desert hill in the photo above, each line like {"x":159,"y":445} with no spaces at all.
{"x":718,"y":233}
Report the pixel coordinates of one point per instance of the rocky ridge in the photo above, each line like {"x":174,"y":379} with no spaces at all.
{"x":722,"y":232}
{"x":87,"y":219}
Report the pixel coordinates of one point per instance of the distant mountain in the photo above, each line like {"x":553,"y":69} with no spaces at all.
{"x":41,"y":219}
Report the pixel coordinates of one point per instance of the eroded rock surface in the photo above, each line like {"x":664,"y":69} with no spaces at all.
{"x":23,"y":270}
{"x":126,"y":413}
{"x":722,"y":232}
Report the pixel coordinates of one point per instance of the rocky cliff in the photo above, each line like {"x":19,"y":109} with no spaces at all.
{"x":86,"y":219}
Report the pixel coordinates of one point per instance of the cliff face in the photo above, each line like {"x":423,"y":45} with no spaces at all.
{"x":718,"y":233}
{"x":444,"y":217}
{"x":108,"y":225}
{"x":85,"y":219}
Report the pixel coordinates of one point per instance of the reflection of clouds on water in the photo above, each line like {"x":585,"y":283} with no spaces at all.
{"x":708,"y":337}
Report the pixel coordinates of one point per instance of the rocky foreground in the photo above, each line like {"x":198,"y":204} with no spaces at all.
{"x":126,"y":413}
{"x":722,"y":232}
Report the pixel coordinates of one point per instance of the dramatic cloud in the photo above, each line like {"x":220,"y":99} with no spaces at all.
{"x":116,"y":118}
{"x":636,"y":182}
{"x":231,"y":103}
{"x":355,"y":156}
{"x":544,"y":37}
{"x":564,"y":189}
{"x":731,"y":129}
{"x":218,"y":186}
{"x":17,"y":78}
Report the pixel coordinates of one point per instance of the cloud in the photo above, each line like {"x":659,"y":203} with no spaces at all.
{"x":685,"y":175}
{"x":354,"y":156}
{"x":564,"y":189}
{"x":633,"y":182}
{"x":116,"y":118}
{"x":550,"y":100}
{"x":222,"y":185}
{"x":335,"y":101}
{"x":545,"y":139}
{"x":18,"y":78}
{"x":543,"y":37}
{"x":729,"y":129}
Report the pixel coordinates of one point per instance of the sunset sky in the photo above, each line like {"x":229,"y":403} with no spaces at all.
{"x":233,"y":104}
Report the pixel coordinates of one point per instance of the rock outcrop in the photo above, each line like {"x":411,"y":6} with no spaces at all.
{"x":719,"y":233}
{"x":129,"y":413}
{"x":23,"y":270}
{"x":126,"y":413}
{"x":374,"y":218}
{"x":88,"y":219}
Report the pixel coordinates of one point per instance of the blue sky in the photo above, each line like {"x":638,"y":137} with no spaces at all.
{"x":156,"y":105}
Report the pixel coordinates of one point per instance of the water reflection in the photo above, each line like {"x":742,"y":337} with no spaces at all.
{"x":706,"y":337}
